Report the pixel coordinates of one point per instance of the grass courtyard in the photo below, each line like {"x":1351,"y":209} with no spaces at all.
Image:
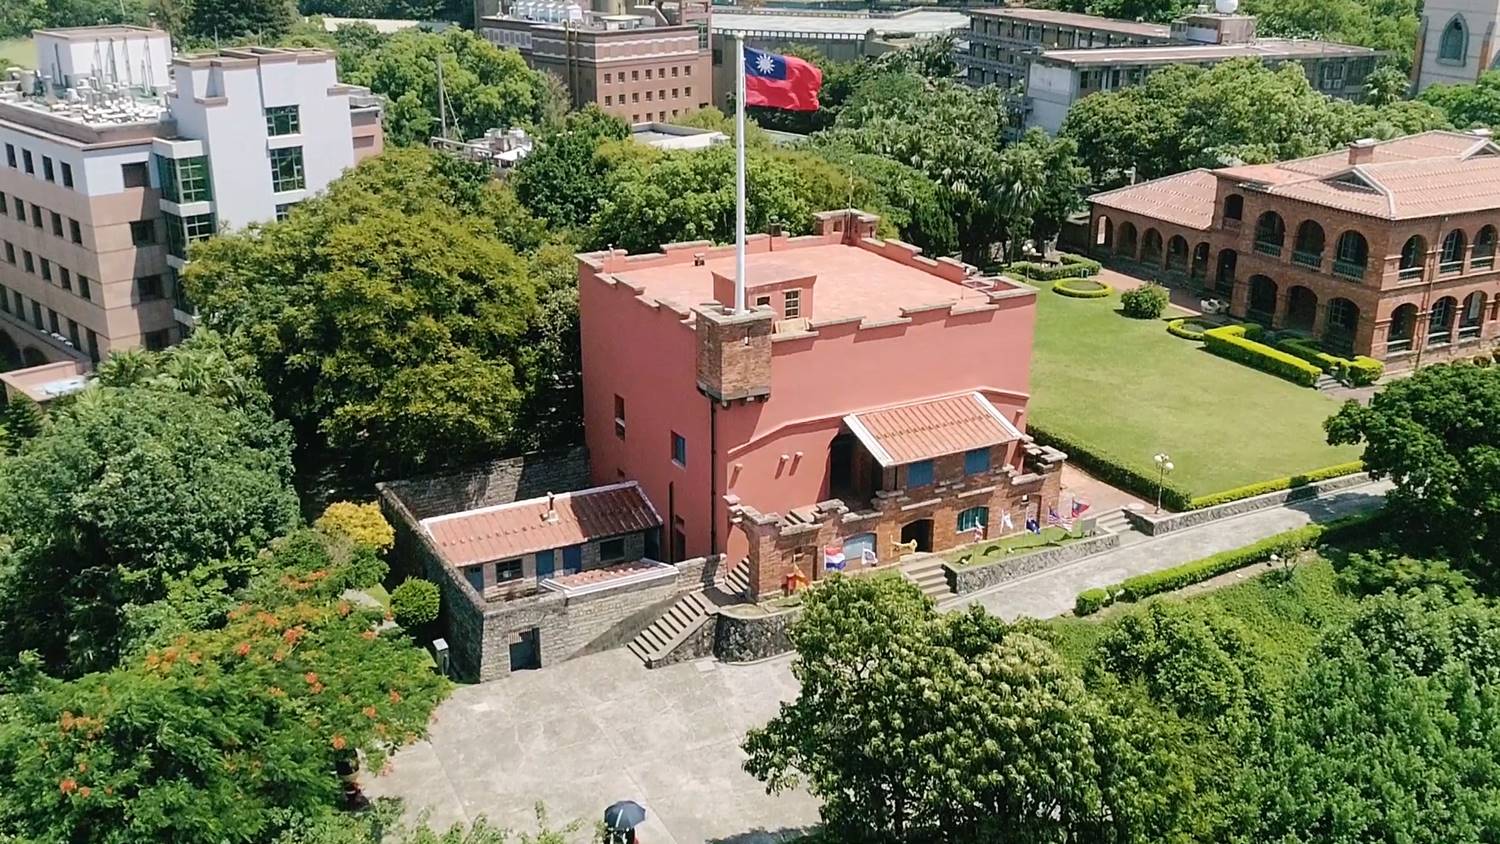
{"x":1129,"y":389}
{"x":16,"y":52}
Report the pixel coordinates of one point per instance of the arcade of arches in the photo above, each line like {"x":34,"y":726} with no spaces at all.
{"x":1325,"y":283}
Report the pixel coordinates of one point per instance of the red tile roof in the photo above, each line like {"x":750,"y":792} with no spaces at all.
{"x":923,"y":430}
{"x":523,"y":527}
{"x":1186,"y":199}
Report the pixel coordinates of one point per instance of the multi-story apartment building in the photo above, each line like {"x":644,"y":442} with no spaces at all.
{"x":868,"y":403}
{"x":1061,"y":58}
{"x":117,"y":156}
{"x":651,"y":64}
{"x":1456,"y":41}
{"x":1385,"y":249}
{"x":1002,"y":42}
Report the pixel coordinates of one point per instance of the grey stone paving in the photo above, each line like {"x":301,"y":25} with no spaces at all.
{"x":580,"y":735}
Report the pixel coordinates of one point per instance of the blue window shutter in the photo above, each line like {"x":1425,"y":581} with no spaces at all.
{"x":976,"y":461}
{"x":476,"y":578}
{"x":919,"y":473}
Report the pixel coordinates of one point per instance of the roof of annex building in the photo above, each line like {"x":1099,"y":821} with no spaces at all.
{"x":538,"y":524}
{"x":1263,"y":48}
{"x":922,"y":22}
{"x":850,"y":282}
{"x":1081,"y":21}
{"x":922,"y":430}
{"x":1412,"y":177}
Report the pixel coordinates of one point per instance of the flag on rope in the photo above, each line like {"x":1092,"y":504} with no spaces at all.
{"x":785,"y":82}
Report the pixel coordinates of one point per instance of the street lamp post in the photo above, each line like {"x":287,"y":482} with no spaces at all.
{"x":1163,"y":467}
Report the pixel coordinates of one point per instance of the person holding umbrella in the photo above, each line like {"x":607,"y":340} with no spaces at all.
{"x":621,"y":819}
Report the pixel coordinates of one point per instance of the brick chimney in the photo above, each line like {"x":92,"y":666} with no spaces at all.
{"x":1362,"y":151}
{"x":734,"y":352}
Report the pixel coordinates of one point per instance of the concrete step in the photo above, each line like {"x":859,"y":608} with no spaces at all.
{"x":1326,"y":382}
{"x":663,"y":636}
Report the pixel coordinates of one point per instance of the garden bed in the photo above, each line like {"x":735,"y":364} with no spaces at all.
{"x":1081,"y":288}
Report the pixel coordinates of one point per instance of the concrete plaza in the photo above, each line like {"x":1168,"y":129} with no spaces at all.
{"x":583,"y":734}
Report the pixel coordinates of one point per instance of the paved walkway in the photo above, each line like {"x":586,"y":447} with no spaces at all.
{"x":581,"y":735}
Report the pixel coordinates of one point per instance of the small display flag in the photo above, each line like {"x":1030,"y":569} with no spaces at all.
{"x":776,"y":81}
{"x":1079,"y":507}
{"x":1052,"y":517}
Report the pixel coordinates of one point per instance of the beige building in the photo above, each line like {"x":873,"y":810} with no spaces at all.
{"x":116,"y":156}
{"x":647,"y":65}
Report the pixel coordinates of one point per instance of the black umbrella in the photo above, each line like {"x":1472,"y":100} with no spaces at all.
{"x":624,"y":816}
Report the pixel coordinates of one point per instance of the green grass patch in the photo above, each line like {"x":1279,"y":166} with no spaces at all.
{"x":16,"y":52}
{"x":1129,"y":389}
{"x":991,"y":550}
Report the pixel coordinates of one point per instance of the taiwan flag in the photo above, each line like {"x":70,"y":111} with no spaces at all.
{"x":773,"y":81}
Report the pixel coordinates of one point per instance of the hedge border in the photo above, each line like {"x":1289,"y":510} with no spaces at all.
{"x":1276,"y":485}
{"x":1068,"y":266}
{"x":1360,"y":370}
{"x":1178,"y":328}
{"x":1110,"y":469}
{"x":1286,"y":543}
{"x":1237,"y":343}
{"x":1061,"y":287}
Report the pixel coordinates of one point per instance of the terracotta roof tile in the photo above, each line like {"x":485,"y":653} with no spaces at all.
{"x":522,"y":527}
{"x":923,"y":430}
{"x":1186,"y":199}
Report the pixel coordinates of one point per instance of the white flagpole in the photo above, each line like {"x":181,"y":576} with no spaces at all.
{"x":739,"y":179}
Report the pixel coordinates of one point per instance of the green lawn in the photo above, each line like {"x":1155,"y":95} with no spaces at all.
{"x":16,"y":52}
{"x":987,"y":551}
{"x":1131,"y":389}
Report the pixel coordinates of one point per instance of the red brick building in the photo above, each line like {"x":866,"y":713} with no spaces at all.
{"x":1384,"y":249}
{"x":871,"y":401}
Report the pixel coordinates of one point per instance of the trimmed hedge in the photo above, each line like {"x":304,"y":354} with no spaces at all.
{"x":1082,"y":288}
{"x":1276,"y":485}
{"x":1178,"y":328}
{"x":1068,"y":266}
{"x":1236,"y":343}
{"x":415,"y":602}
{"x":1091,"y":601}
{"x":1281,"y":545}
{"x":1111,"y":469}
{"x":1359,"y":370}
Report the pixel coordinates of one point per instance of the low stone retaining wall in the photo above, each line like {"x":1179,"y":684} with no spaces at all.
{"x":748,"y":634}
{"x":971,"y":578}
{"x":699,"y":643}
{"x":1158,"y":524}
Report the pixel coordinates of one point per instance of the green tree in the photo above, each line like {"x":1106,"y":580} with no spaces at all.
{"x":1386,"y":25}
{"x":387,"y":317}
{"x":1390,"y":733}
{"x":487,"y":87}
{"x":563,"y":179}
{"x":125,"y":491}
{"x":1436,"y":435}
{"x":1385,"y":85}
{"x":1467,"y":106}
{"x":225,"y":734}
{"x":916,"y":726}
{"x":264,"y":21}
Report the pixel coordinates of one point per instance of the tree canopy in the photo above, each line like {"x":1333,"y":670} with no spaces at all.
{"x":1434,"y":436}
{"x":1468,"y":106}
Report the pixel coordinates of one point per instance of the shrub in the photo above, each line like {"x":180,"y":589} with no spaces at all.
{"x":1236,"y":343}
{"x":1276,"y":485}
{"x":1359,"y":371}
{"x":1184,"y":328}
{"x":1081,"y":288}
{"x":1145,"y":302}
{"x":1362,"y":371}
{"x":361,"y":524}
{"x":1111,"y":469}
{"x":1091,"y":601}
{"x":1081,"y":266}
{"x":415,"y":603}
{"x":1068,"y":266}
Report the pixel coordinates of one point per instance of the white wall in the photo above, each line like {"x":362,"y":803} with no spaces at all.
{"x":134,"y":58}
{"x":1050,"y":91}
{"x":1481,"y":18}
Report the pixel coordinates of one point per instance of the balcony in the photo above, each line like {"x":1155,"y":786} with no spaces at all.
{"x":1268,"y":248}
{"x":1451,"y":267}
{"x":1311,"y":260}
{"x":1232,"y":223}
{"x":1482,"y":262}
{"x":1398,"y":344}
{"x":1409,"y":273}
{"x":1349,"y":269}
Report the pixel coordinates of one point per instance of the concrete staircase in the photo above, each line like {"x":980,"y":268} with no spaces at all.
{"x":1115,"y":522}
{"x":1327,"y":382}
{"x":928,"y":575}
{"x":655,"y":645}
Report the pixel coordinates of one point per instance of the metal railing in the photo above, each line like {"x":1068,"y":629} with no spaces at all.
{"x":1312,"y":260}
{"x":1482,"y":262}
{"x":1268,"y":248}
{"x":1348,"y":269}
{"x":1451,"y":267}
{"x":1398,"y":344}
{"x":1409,"y":273}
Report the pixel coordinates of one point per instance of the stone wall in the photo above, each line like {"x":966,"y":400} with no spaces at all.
{"x":748,"y":634}
{"x":699,"y":643}
{"x":497,"y":482}
{"x":1158,"y":524}
{"x":966,"y":579}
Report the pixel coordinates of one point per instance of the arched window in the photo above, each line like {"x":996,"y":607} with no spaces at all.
{"x":1308,"y":250}
{"x":1440,"y":321}
{"x":1454,"y":45}
{"x":1403,"y":325}
{"x":1234,"y":207}
{"x":1471,"y":318}
{"x":1413,"y":255}
{"x":1351,"y":255}
{"x":1270,"y":233}
{"x":1484,"y":249}
{"x":1151,"y":246}
{"x":1452,"y":259}
{"x":1177,"y":253}
{"x":1343,"y":323}
{"x":973,"y":517}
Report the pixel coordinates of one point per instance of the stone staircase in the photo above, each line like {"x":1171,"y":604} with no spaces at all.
{"x":928,"y":575}
{"x":1327,"y":382}
{"x":655,"y":645}
{"x":1115,"y":522}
